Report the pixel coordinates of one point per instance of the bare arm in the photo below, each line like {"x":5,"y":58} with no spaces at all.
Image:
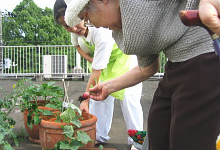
{"x":209,"y":12}
{"x":131,"y":78}
{"x":84,"y":106}
{"x":84,"y":55}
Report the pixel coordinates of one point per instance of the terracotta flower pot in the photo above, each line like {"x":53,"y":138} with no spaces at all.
{"x":34,"y":133}
{"x":51,"y":132}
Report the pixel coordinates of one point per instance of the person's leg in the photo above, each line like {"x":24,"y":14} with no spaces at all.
{"x":103,"y":110}
{"x":158,"y":126}
{"x":132,"y":109}
{"x":196,"y":105}
{"x":192,"y":119}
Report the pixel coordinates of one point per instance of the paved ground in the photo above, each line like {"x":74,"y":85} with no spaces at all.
{"x":118,"y":132}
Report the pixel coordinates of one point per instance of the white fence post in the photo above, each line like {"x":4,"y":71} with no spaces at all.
{"x":78,"y":61}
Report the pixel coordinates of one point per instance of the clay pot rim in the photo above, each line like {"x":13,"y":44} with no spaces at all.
{"x":92,"y":120}
{"x":26,"y":111}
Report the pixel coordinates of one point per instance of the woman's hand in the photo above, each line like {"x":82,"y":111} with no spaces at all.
{"x":134,"y":76}
{"x":209,"y":13}
{"x":101,"y":91}
{"x":84,"y":106}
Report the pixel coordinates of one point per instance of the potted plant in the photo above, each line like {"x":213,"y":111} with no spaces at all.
{"x":54,"y":103}
{"x":35,"y":100}
{"x":71,"y":129}
{"x":68,"y":128}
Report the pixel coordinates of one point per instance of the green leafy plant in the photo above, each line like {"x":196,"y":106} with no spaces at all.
{"x":71,"y":116}
{"x":6,"y":123}
{"x":29,"y":93}
{"x":26,"y":93}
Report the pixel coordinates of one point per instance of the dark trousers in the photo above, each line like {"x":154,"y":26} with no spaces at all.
{"x":185,"y":112}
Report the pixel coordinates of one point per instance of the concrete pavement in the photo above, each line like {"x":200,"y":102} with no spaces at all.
{"x":118,"y":132}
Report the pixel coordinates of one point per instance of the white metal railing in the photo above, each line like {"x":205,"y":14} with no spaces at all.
{"x":58,"y":61}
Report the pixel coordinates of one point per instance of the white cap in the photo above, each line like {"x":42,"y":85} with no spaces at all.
{"x":73,"y":9}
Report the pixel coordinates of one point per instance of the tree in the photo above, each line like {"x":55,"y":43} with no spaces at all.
{"x":33,"y":26}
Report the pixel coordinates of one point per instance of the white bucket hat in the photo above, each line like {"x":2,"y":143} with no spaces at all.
{"x":73,"y":9}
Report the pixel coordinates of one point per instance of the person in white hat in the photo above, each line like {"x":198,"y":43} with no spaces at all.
{"x":185,"y":113}
{"x":107,"y":61}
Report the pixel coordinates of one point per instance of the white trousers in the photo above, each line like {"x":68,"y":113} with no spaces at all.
{"x":130,"y":106}
{"x":131,"y":109}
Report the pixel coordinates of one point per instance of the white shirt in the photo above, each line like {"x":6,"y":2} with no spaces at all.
{"x":103,"y":41}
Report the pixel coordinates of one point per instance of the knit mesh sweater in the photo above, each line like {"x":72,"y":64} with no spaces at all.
{"x":152,"y":26}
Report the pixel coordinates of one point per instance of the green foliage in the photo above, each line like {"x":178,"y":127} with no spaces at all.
{"x":83,"y":137}
{"x":71,"y":116}
{"x":33,"y":26}
{"x":7,"y":123}
{"x":29,"y":93}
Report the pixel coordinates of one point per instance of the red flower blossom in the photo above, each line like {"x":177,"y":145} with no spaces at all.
{"x":131,"y":132}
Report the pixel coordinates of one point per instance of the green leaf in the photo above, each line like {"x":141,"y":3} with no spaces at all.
{"x":74,"y":107}
{"x":76,"y":122}
{"x":7,"y":146}
{"x":76,"y":144}
{"x":29,"y":121}
{"x":57,"y":146}
{"x":30,"y":124}
{"x":64,"y":145}
{"x":51,"y":106}
{"x":65,"y":116}
{"x":68,"y":115}
{"x":46,"y":112}
{"x":83,"y":137}
{"x":37,"y":119}
{"x":68,"y":131}
{"x":15,"y":141}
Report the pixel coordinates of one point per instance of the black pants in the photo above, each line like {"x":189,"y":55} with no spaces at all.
{"x":185,"y":112}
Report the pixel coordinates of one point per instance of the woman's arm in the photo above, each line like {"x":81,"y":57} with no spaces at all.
{"x":94,"y":76}
{"x":209,"y":13}
{"x":131,"y":78}
{"x":84,"y":55}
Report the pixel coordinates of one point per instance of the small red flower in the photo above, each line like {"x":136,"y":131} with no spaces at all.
{"x":131,"y":132}
{"x":139,"y":137}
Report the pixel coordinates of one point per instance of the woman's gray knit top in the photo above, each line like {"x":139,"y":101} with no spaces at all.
{"x":152,"y":26}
